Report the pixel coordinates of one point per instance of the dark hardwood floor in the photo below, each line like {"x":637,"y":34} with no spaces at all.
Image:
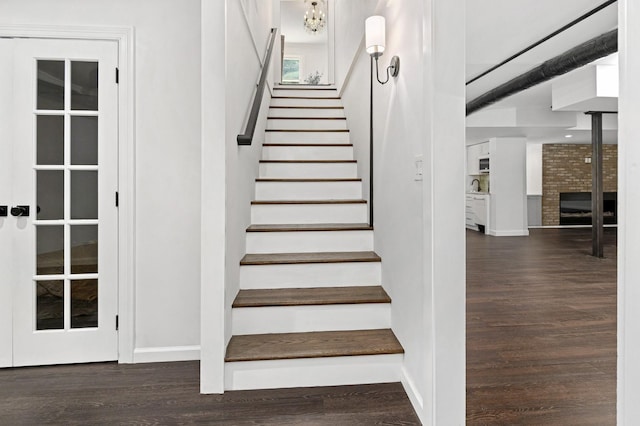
{"x":541,"y":350}
{"x":541,"y":329}
{"x":168,"y":393}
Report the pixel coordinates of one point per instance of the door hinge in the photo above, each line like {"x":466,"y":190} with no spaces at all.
{"x":117,"y":322}
{"x":117,"y":199}
{"x":117,"y":76}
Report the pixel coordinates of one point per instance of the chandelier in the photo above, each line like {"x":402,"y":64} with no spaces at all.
{"x":314,"y":19}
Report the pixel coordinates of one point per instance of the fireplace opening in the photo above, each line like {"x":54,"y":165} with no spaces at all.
{"x":575,"y":208}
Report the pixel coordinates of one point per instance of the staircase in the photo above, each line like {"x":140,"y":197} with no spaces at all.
{"x":310,"y":311}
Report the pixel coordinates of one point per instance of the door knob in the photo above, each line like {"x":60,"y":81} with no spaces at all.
{"x":18,"y":211}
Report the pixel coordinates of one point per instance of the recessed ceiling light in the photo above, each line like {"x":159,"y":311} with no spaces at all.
{"x":568,"y":136}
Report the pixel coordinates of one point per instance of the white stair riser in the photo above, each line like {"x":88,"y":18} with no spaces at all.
{"x":307,"y":153}
{"x":306,"y":93}
{"x":308,"y":213}
{"x":332,"y":371}
{"x":309,"y":241}
{"x":309,"y":190}
{"x":307,"y":124}
{"x":305,"y":102}
{"x":306,"y":112}
{"x":308,"y":275}
{"x":307,"y":137}
{"x":302,"y":319}
{"x":308,"y":170}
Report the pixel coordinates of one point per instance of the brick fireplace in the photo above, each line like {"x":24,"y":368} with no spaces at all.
{"x":564,"y":171}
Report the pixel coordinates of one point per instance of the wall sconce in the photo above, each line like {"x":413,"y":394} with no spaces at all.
{"x":375,"y":42}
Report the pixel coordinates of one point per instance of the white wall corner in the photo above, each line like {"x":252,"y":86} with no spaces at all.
{"x":444,"y":207}
{"x":414,"y":395}
{"x":213,"y":197}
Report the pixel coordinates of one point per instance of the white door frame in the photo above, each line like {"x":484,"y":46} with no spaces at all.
{"x":124,"y":36}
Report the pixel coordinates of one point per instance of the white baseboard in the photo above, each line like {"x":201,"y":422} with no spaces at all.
{"x":414,"y":396}
{"x":166,"y":354}
{"x":567,"y":226}
{"x":509,"y":233}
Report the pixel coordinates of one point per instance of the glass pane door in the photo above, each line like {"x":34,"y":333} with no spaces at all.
{"x":65,"y":159}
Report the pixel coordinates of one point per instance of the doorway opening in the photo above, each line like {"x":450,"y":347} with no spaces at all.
{"x":306,"y":42}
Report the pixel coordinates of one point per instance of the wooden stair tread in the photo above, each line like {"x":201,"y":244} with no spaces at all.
{"x":265,"y":202}
{"x":319,"y":344}
{"x":308,"y":161}
{"x":306,"y":107}
{"x":298,"y":258}
{"x":311,"y":227}
{"x":309,"y":180}
{"x":305,"y":97}
{"x":309,"y":130}
{"x":311,"y":296}
{"x":306,"y":118}
{"x":309,"y":144}
{"x":305,"y":87}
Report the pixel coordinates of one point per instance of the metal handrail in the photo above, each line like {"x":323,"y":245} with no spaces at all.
{"x":247,"y":136}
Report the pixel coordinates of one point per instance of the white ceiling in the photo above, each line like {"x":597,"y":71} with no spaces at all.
{"x":291,"y":22}
{"x":496,"y":29}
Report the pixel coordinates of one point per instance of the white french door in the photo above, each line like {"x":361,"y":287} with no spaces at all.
{"x":59,"y":181}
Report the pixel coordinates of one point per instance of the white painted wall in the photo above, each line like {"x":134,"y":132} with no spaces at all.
{"x":167,"y":128}
{"x":628,"y":392}
{"x":419,"y":225}
{"x":534,"y":169}
{"x":313,"y":57}
{"x":245,"y":46}
{"x":508,"y":215}
{"x":349,"y":34}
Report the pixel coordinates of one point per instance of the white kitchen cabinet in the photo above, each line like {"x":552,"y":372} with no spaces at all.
{"x":480,"y":209}
{"x":470,"y":218}
{"x":477,"y":211}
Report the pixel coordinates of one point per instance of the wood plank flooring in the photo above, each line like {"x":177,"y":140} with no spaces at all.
{"x":168,"y":394}
{"x":318,"y":344}
{"x":541,"y":329}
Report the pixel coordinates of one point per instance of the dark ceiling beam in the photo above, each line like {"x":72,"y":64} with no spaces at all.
{"x":570,"y":60}
{"x":542,"y":40}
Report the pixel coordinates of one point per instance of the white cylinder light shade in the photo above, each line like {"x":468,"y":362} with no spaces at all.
{"x":374,"y":35}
